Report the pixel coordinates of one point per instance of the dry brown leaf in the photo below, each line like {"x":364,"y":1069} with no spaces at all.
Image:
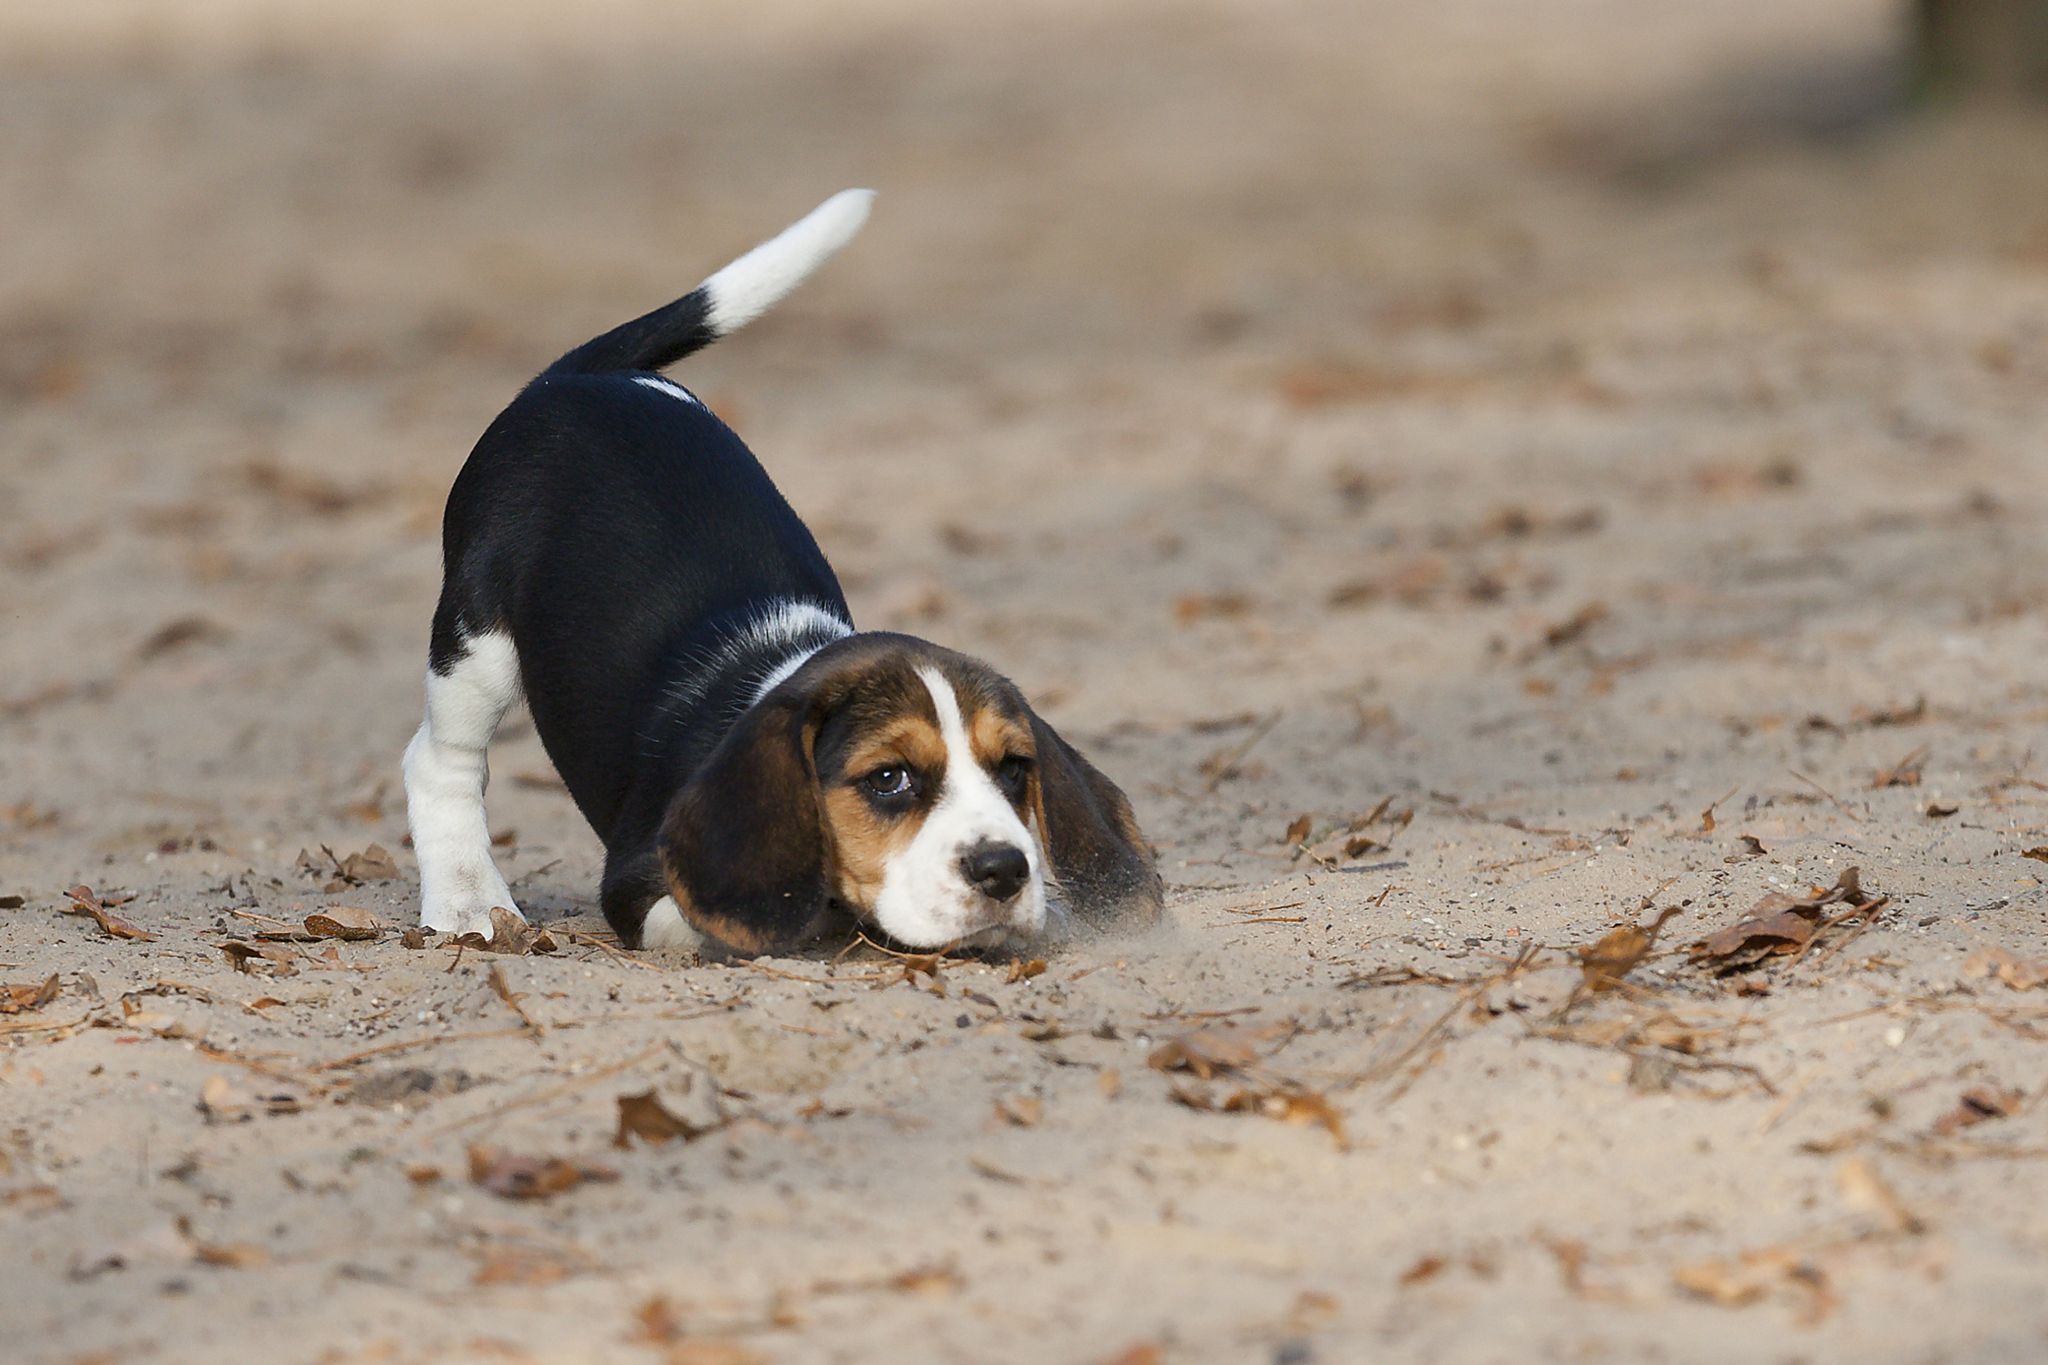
{"x":1426,"y":1268}
{"x":1979,"y":1104}
{"x":349,"y":922}
{"x":2015,"y":972}
{"x":85,"y":902}
{"x":245,"y":956}
{"x":1023,"y":970}
{"x":644,"y":1116}
{"x":1617,"y":952}
{"x":929,"y":1280}
{"x":1727,"y":1283}
{"x":1298,"y":831}
{"x":1021,"y":1111}
{"x":373,"y":864}
{"x":16,"y":999}
{"x":510,"y":1176}
{"x":1288,"y":1103}
{"x":1214,"y":1049}
{"x":414,"y":938}
{"x":1779,"y":924}
{"x":2039,"y":853}
{"x":423,"y":1175}
{"x":510,"y":934}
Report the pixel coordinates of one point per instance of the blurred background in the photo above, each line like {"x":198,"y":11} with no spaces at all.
{"x":1200,"y":357}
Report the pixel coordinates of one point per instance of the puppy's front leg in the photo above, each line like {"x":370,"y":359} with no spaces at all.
{"x":446,"y":773}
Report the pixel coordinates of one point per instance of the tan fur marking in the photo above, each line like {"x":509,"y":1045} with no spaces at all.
{"x":864,"y":843}
{"x":912,"y":740}
{"x":732,"y":933}
{"x":994,"y":736}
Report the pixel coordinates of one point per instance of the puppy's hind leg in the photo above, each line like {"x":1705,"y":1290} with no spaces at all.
{"x":445,"y":775}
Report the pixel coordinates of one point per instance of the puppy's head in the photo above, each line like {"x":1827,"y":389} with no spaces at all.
{"x":909,"y":787}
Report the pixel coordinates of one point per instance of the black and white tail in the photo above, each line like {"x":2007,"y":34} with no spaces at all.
{"x":729,"y":299}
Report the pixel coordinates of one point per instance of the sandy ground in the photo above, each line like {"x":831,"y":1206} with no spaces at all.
{"x":1610,"y":445}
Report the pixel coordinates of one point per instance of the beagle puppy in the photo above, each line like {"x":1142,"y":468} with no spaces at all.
{"x":758,"y":770}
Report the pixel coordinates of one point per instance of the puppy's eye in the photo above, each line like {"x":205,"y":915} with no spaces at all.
{"x":888,"y":782}
{"x":1013,"y":776}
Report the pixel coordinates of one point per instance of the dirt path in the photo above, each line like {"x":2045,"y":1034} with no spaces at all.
{"x":1604,"y":455}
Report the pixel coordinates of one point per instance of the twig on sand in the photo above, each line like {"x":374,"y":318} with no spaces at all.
{"x":408,"y":1044}
{"x":569,"y":1087}
{"x":1833,"y":800}
{"x":1219,"y":766}
{"x":1436,"y":1028}
{"x":781,"y":975}
{"x":613,"y":951}
{"x":505,"y":993}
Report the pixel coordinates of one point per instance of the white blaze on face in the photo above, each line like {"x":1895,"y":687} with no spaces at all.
{"x":925,"y":899}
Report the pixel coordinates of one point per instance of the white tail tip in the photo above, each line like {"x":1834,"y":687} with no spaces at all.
{"x":751,"y":285}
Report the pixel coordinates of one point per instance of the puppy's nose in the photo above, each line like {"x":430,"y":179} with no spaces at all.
{"x":998,"y":871}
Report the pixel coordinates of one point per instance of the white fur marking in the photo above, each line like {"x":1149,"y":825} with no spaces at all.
{"x":446,"y":772}
{"x":925,"y":900}
{"x":665,"y":927}
{"x":669,"y":387}
{"x":751,"y":285}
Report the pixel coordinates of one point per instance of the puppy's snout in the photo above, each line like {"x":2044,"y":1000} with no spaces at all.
{"x":997,"y":870}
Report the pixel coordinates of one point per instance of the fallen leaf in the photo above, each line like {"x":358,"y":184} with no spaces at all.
{"x":1979,"y":1104}
{"x":12,"y":902}
{"x":1217,"y":1048}
{"x":510,"y":934}
{"x":1288,"y":1103}
{"x":423,"y":1175}
{"x":929,"y":1280}
{"x":1022,"y":970}
{"x":349,"y":922}
{"x":1727,"y":1283}
{"x":1904,"y":773}
{"x":1021,"y":1111}
{"x":644,"y":1116}
{"x":414,"y":938}
{"x":2015,"y":972}
{"x":1779,"y":924}
{"x":510,"y":1176}
{"x":245,"y":956}
{"x":15,"y":999}
{"x":2039,"y":853}
{"x":1298,"y":831}
{"x":1941,"y":810}
{"x":1616,"y":953}
{"x":373,"y":864}
{"x":1426,"y":1268}
{"x":85,"y":902}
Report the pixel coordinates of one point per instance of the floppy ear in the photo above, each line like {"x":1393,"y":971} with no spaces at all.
{"x":744,"y":848}
{"x":1099,"y":858}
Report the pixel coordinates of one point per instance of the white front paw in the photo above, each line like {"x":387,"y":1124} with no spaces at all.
{"x":461,"y":901}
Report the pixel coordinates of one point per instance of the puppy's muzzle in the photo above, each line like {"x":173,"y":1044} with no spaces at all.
{"x":997,"y":870}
